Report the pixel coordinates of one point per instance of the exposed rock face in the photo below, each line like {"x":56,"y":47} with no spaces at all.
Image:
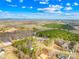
{"x":59,"y":42}
{"x":77,"y":48}
{"x":62,"y":56}
{"x":2,"y":53}
{"x":66,"y":45}
{"x":8,"y":36}
{"x":71,"y":45}
{"x":21,"y":55}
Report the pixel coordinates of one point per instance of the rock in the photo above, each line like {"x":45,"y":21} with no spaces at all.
{"x":77,"y":48}
{"x":59,"y":42}
{"x":65,"y":46}
{"x":2,"y":53}
{"x":71,"y":45}
{"x":1,"y":49}
{"x":62,"y":56}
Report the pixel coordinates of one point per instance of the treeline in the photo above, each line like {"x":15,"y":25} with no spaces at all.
{"x":62,"y":34}
{"x":59,"y":26}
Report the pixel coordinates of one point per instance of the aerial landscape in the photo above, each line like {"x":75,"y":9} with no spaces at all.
{"x":39,"y":40}
{"x":39,"y":29}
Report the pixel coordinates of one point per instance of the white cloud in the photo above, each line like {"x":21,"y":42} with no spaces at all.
{"x":43,"y":2}
{"x":56,"y":7}
{"x":6,"y":14}
{"x":55,"y":12}
{"x":31,"y":7}
{"x":1,"y":11}
{"x":39,"y":15}
{"x":52,"y":9}
{"x":9,"y":0}
{"x":76,"y":4}
{"x":72,"y":14}
{"x":68,"y":14}
{"x":60,"y":0}
{"x":23,"y":6}
{"x":21,"y":1}
{"x":68,"y":4}
{"x":68,"y":8}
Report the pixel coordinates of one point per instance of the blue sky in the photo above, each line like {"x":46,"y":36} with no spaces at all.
{"x":39,"y":9}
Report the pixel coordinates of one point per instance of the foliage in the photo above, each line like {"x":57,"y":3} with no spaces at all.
{"x":25,"y":46}
{"x":59,"y":26}
{"x":62,"y":34}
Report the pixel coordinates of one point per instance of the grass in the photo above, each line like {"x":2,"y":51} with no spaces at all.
{"x":62,"y":34}
{"x":25,"y":46}
{"x":59,"y":26}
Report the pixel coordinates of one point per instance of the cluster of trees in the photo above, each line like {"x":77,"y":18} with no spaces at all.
{"x":62,"y":34}
{"x":59,"y":26}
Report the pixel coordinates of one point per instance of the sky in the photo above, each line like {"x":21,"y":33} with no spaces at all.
{"x":39,"y":9}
